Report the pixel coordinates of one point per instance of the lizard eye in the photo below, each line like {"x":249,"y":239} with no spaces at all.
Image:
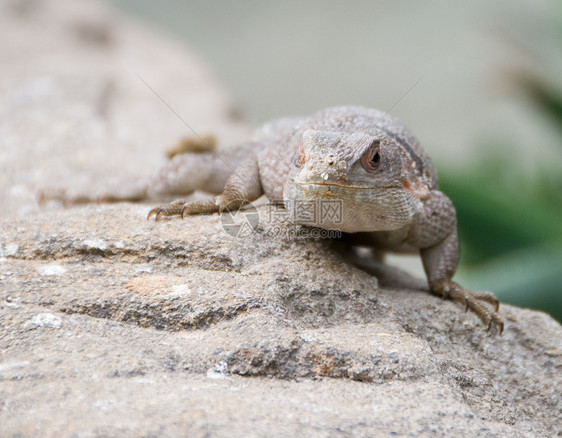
{"x":371,"y":160}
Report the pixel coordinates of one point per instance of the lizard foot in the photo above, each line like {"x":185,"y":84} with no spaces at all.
{"x":474,"y":301}
{"x":182,"y":208}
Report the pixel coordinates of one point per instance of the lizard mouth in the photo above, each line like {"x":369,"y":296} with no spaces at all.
{"x":329,"y":186}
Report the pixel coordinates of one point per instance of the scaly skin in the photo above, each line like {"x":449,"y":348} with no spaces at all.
{"x":365,"y":160}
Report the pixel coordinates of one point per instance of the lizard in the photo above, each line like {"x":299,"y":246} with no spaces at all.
{"x":365,"y":159}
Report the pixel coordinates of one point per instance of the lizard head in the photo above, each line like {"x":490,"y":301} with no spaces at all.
{"x":359,"y":178}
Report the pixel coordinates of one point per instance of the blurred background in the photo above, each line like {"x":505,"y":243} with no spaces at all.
{"x":479,"y":83}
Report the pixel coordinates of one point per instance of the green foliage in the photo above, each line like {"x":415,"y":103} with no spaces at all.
{"x":497,"y":218}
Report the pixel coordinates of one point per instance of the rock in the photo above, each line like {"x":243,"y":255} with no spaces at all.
{"x":51,"y":270}
{"x":81,"y":97}
{"x":45,"y":320}
{"x":113,"y":325}
{"x":154,"y":308}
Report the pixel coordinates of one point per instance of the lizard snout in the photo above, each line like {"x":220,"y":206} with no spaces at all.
{"x":322,"y":170}
{"x":318,"y":174}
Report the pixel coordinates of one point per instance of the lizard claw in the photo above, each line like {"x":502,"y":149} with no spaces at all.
{"x":497,"y":322}
{"x":172,"y":209}
{"x":155,"y":211}
{"x":500,"y":326}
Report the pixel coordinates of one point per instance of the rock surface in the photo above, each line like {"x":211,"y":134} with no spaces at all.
{"x":103,"y":312}
{"x":114,"y":326}
{"x":77,"y":103}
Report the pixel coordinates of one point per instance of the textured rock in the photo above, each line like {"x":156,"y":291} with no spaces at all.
{"x":137,"y":302}
{"x":112,"y":325}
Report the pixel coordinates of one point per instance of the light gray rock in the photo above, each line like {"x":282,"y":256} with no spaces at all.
{"x":74,"y":105}
{"x":111,"y":325}
{"x":181,"y":320}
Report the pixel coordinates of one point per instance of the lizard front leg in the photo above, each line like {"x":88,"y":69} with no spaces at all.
{"x":435,"y":233}
{"x":241,"y":188}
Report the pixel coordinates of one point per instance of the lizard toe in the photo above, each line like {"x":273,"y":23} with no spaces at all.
{"x":172,"y":209}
